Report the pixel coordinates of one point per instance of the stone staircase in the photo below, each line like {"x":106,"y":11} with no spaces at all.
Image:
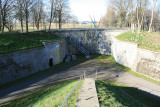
{"x":79,"y":46}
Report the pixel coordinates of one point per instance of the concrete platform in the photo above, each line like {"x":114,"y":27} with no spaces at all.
{"x":88,"y":95}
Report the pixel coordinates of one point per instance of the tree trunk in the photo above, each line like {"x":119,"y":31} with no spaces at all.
{"x":60,"y":19}
{"x":21,"y":25}
{"x":150,"y":26}
{"x":51,"y":17}
{"x":26,"y":20}
{"x":0,"y":17}
{"x":132,"y":25}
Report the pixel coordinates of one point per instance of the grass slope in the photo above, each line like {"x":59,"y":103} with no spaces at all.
{"x":22,"y":41}
{"x":49,"y":96}
{"x":116,"y":95}
{"x":145,"y":40}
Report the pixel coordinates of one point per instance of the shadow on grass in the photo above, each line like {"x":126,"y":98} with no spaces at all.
{"x":34,"y":80}
{"x":112,"y":94}
{"x":39,"y":95}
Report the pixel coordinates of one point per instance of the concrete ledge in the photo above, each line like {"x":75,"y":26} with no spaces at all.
{"x":88,"y":95}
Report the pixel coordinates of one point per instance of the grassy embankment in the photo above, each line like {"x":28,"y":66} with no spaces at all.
{"x":11,"y":42}
{"x":116,"y":95}
{"x":145,"y":40}
{"x":49,"y":96}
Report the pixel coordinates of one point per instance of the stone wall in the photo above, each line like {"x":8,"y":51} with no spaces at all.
{"x":22,"y":63}
{"x":94,"y":40}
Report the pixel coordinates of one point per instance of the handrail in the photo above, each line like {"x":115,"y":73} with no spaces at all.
{"x":78,"y":45}
{"x":66,"y":100}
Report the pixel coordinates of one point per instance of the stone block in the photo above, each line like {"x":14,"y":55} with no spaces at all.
{"x":74,"y":57}
{"x":67,"y":60}
{"x":88,"y":56}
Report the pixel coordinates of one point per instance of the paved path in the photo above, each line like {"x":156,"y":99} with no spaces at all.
{"x":88,"y":95}
{"x":105,"y":71}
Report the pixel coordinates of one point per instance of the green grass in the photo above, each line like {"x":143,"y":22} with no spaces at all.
{"x":49,"y":96}
{"x":115,"y":95}
{"x":145,"y":40}
{"x":11,"y":42}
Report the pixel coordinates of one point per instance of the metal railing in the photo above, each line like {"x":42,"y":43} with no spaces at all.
{"x":77,"y":45}
{"x":75,"y":87}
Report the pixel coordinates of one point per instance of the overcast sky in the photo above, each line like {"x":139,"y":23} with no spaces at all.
{"x":83,"y":8}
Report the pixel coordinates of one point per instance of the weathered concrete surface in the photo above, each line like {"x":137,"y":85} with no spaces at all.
{"x":139,"y":60}
{"x":22,"y":63}
{"x":124,"y":53}
{"x":94,"y":40}
{"x":103,"y":41}
{"x":148,"y":63}
{"x":88,"y":95}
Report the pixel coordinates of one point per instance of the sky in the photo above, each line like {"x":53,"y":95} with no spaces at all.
{"x":83,"y":8}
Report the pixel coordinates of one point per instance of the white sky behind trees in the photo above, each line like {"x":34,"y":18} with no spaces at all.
{"x":83,"y":8}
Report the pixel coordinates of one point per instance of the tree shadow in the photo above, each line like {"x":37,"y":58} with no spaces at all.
{"x":111,"y":94}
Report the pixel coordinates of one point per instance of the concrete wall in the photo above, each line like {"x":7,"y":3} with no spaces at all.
{"x":139,"y":60}
{"x":22,"y":63}
{"x":128,"y":54}
{"x":94,"y":40}
{"x":19,"y":64}
{"x":148,"y":63}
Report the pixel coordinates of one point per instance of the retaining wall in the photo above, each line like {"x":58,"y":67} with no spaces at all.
{"x":94,"y":40}
{"x":22,"y":63}
{"x":139,"y":60}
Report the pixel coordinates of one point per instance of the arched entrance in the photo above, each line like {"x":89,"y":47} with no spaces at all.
{"x":51,"y":62}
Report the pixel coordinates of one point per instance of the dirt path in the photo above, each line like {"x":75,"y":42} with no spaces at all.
{"x":105,"y":71}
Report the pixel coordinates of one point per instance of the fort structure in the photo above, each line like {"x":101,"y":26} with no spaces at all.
{"x":101,"y":41}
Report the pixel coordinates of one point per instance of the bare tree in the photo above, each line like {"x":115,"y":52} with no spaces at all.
{"x":121,"y":7}
{"x":7,"y":14}
{"x":74,"y":20}
{"x":53,"y":11}
{"x":37,"y":13}
{"x":28,"y":5}
{"x":19,"y":12}
{"x":0,"y":16}
{"x":132,"y":17}
{"x":109,"y":18}
{"x":62,"y":11}
{"x":141,"y":8}
{"x":153,"y":4}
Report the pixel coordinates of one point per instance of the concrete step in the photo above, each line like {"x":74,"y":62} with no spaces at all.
{"x":88,"y":95}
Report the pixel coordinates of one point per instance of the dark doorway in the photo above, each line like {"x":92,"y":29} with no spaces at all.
{"x":51,"y":62}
